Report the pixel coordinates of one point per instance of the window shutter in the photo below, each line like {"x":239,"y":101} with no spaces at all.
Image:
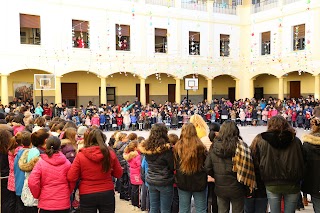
{"x":80,"y":26}
{"x":196,"y":36}
{"x":125,"y":30}
{"x":29,"y":21}
{"x":161,"y":32}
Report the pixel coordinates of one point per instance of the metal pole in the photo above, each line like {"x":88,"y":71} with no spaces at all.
{"x":41,"y":101}
{"x":187,"y":98}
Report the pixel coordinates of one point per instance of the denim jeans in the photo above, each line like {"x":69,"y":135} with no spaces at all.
{"x":200,"y":201}
{"x":145,"y":203}
{"x":160,"y":198}
{"x":290,"y":202}
{"x":224,"y":205}
{"x":316,"y":204}
{"x":255,"y":205}
{"x":175,"y":201}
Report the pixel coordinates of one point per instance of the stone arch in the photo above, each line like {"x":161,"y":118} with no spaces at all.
{"x":265,"y":85}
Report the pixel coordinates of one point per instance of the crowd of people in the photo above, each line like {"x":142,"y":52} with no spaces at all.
{"x":56,"y":164}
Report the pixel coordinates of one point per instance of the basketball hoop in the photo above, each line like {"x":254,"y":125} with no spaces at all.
{"x":193,"y":88}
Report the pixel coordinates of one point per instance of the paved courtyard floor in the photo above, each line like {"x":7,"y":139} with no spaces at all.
{"x":248,"y":133}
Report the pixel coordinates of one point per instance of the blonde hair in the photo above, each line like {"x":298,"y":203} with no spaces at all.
{"x":119,"y":137}
{"x":198,"y":122}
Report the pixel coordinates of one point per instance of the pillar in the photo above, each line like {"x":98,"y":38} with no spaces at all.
{"x":251,"y":88}
{"x":237,"y":89}
{"x":281,"y":88}
{"x":143,"y":91}
{"x":316,"y":86}
{"x":103,"y":91}
{"x":4,"y":90}
{"x":209,"y":90}
{"x":57,"y":92}
{"x":178,"y":90}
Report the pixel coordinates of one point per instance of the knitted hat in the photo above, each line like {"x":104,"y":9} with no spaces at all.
{"x":81,"y":130}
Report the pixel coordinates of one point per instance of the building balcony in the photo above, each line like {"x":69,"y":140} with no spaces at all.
{"x":161,"y":2}
{"x":194,"y":5}
{"x":290,"y":1}
{"x":264,"y":5}
{"x":224,"y":8}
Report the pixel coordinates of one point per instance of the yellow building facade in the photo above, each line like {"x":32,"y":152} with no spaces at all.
{"x":114,"y":51}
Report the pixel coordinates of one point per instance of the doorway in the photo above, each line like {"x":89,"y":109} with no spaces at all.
{"x":205,"y":93}
{"x":295,"y":89}
{"x":232,"y":94}
{"x":258,"y":93}
{"x":147,"y":92}
{"x":69,"y":94}
{"x":172,"y":93}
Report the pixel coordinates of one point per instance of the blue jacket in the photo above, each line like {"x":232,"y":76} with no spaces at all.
{"x":133,"y":119}
{"x":18,"y":173}
{"x":102,"y":119}
{"x":144,"y":170}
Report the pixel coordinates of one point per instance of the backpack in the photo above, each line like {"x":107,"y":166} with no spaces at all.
{"x":26,"y":195}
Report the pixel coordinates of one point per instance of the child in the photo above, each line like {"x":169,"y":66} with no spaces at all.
{"x":126,"y":121}
{"x":167,"y":121}
{"x":300,"y":120}
{"x":140,"y":122}
{"x":133,"y":119}
{"x":88,"y":120}
{"x":102,"y":121}
{"x":307,"y":121}
{"x":119,"y":119}
{"x":132,"y":156}
{"x":95,"y":120}
{"x":174,"y":121}
{"x":173,"y":139}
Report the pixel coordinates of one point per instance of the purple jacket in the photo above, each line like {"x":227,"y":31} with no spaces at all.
{"x":68,"y":149}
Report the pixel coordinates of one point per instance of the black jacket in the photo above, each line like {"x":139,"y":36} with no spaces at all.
{"x":219,"y":166}
{"x":280,"y":158}
{"x":4,"y":166}
{"x":196,"y":182}
{"x":160,"y":165}
{"x":311,"y":152}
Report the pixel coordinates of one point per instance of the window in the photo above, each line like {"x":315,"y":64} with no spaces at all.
{"x":224,"y":45}
{"x":160,"y":42}
{"x":194,"y":43}
{"x":299,"y":37}
{"x":123,"y":37}
{"x":80,"y":34}
{"x":255,"y":1}
{"x":265,"y":43}
{"x":111,"y":95}
{"x":30,"y":29}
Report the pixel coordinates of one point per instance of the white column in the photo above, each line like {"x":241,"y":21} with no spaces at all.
{"x":57,"y":92}
{"x":251,"y":88}
{"x":4,"y":90}
{"x":103,"y":91}
{"x":178,"y":90}
{"x":281,"y":88}
{"x":316,"y":86}
{"x":209,"y":90}
{"x":143,"y":91}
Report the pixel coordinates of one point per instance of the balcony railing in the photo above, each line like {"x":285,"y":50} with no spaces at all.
{"x":290,"y":1}
{"x":194,"y":5}
{"x":264,"y":5}
{"x":167,"y":3}
{"x":224,"y":8}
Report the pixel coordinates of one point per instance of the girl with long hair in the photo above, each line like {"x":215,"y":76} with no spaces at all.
{"x":95,"y":165}
{"x":69,"y":143}
{"x":311,"y":147}
{"x":160,"y":178}
{"x":202,"y":129}
{"x":191,"y":178}
{"x":48,"y":180}
{"x":132,"y":155}
{"x":219,"y":165}
{"x":279,"y":156}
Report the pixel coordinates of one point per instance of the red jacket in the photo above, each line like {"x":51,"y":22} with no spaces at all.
{"x":48,"y":182}
{"x":87,"y":166}
{"x":47,"y":111}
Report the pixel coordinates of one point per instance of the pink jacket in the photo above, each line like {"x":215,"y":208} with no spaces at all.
{"x":95,"y":121}
{"x":11,"y":180}
{"x":274,"y":112}
{"x":48,"y":182}
{"x":134,"y":161}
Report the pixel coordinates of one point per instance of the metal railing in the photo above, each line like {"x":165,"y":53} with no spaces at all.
{"x":264,"y":5}
{"x":1,"y":189}
{"x":167,"y":3}
{"x":194,"y":5}
{"x":224,"y":8}
{"x":290,"y":1}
